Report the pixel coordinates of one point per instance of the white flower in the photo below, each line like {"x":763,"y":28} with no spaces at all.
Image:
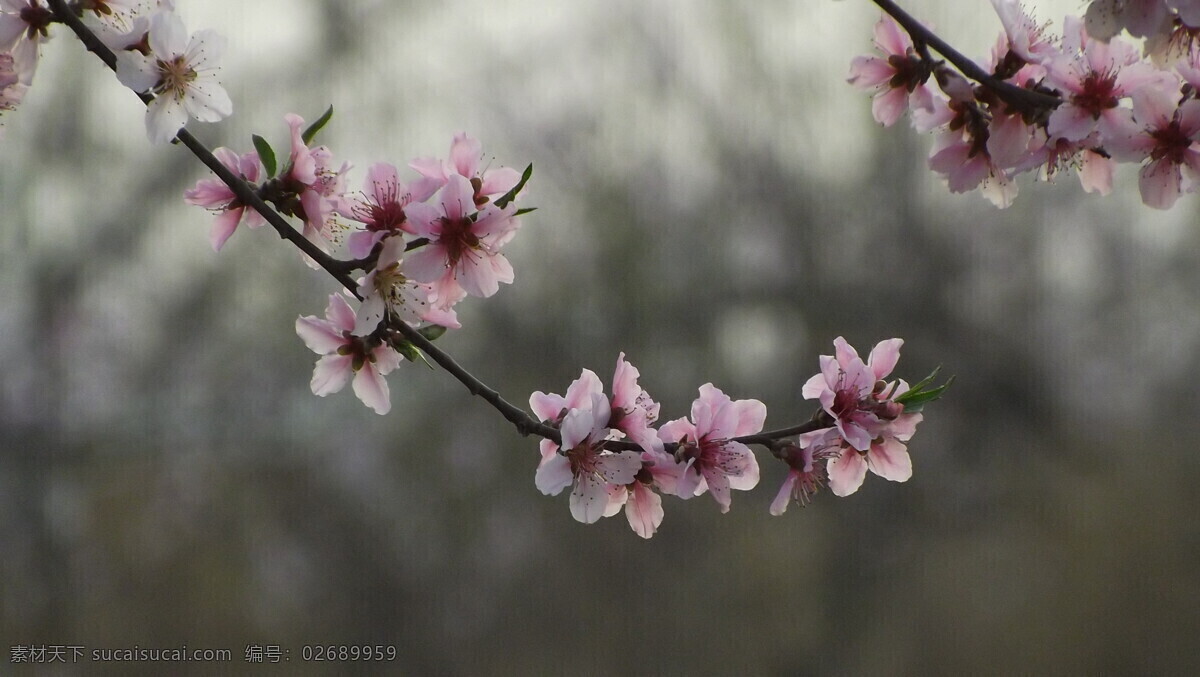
{"x":181,"y":74}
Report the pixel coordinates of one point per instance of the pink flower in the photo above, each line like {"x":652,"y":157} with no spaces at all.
{"x":181,"y":73}
{"x":463,"y":250}
{"x":874,"y":427}
{"x":806,"y":467}
{"x":386,"y":290}
{"x":712,"y":459}
{"x":213,"y":194}
{"x":1094,"y":168}
{"x":552,"y":407}
{"x":1165,"y":132}
{"x":887,"y":457}
{"x":345,"y":355}
{"x":465,"y":153}
{"x":380,"y":207}
{"x":633,"y":410}
{"x":24,"y":27}
{"x":643,"y":507}
{"x":1094,"y":76}
{"x":323,"y":198}
{"x":898,"y":78}
{"x":963,"y":153}
{"x":1026,"y":38}
{"x":847,"y":389}
{"x":580,"y":462}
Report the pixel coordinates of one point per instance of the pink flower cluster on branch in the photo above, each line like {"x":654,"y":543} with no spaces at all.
{"x":1083,"y":102}
{"x":864,"y":424}
{"x":427,"y":241}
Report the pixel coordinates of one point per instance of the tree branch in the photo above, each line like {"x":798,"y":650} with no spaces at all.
{"x":1017,"y":97}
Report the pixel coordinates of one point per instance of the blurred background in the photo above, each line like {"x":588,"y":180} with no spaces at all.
{"x":713,"y":200}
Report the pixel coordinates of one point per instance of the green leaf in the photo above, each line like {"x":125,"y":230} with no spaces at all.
{"x":315,"y":127}
{"x":915,"y":399}
{"x":406,"y":349}
{"x":524,"y":210}
{"x":432,"y":332}
{"x":923,"y":383}
{"x":266,"y":154}
{"x":512,"y":194}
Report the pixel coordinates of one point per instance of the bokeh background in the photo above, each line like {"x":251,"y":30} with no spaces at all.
{"x":715,"y":201}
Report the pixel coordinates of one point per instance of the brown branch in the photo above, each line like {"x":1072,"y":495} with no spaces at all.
{"x":1017,"y":97}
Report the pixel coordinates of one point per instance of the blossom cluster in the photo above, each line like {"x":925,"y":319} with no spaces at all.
{"x":706,"y":452}
{"x":155,"y":56}
{"x":426,"y":244}
{"x":1082,"y":102}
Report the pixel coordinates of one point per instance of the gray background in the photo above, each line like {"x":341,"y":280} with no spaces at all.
{"x":715,"y":201}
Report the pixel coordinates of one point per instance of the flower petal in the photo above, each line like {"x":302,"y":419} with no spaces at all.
{"x":846,"y":473}
{"x":372,"y":389}
{"x":890,"y":460}
{"x":589,"y":499}
{"x":644,"y":510}
{"x":553,"y":475}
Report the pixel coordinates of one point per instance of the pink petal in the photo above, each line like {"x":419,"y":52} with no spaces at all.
{"x":846,"y":473}
{"x":224,"y":226}
{"x":619,"y":468}
{"x":370,"y":313}
{"x":385,"y":359}
{"x":644,"y":510}
{"x":457,"y":198}
{"x":718,"y":486}
{"x":1071,"y":123}
{"x":464,"y":154}
{"x":581,"y":390}
{"x":331,"y":374}
{"x":617,"y":496}
{"x":751,"y":414}
{"x":844,"y":352}
{"x":869,"y":72}
{"x":784,"y":497}
{"x":1189,"y":118}
{"x":427,"y":264}
{"x":478,"y":277}
{"x":500,"y":180}
{"x":547,"y":407}
{"x":674,"y":431}
{"x":589,"y":499}
{"x":888,"y":106}
{"x":884,"y":356}
{"x":372,"y":389}
{"x":689,"y":481}
{"x":319,"y":335}
{"x":1153,"y":108}
{"x":747,"y":476}
{"x":553,"y":475}
{"x":890,"y":37}
{"x":1096,"y":173}
{"x":814,"y":386}
{"x":1159,"y":184}
{"x":890,"y":460}
{"x":576,"y":427}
